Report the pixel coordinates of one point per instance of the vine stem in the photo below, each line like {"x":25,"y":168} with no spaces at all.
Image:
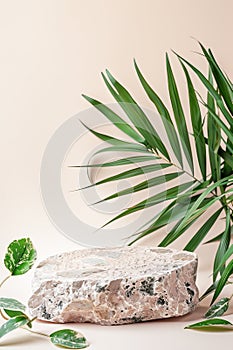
{"x":3,"y":316}
{"x":35,"y":332}
{"x":5,"y":279}
{"x":25,"y":328}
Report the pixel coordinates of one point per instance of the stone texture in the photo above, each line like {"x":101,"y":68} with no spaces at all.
{"x":112,"y":286}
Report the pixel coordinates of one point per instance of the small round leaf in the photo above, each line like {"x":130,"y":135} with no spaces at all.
{"x":20,"y":256}
{"x":12,"y":324}
{"x":11,"y":304}
{"x":214,"y":322}
{"x":69,"y":338}
{"x":218,"y":309}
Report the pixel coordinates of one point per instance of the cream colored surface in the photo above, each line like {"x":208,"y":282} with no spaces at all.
{"x":50,"y":52}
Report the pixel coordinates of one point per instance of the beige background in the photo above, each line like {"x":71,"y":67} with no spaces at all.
{"x":50,"y":53}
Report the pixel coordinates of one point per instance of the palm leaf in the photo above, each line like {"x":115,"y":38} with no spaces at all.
{"x":188,"y":204}
{"x":128,"y":147}
{"x":131,"y":173}
{"x":223,"y":246}
{"x":173,"y":212}
{"x":107,"y":138}
{"x":193,"y":210}
{"x":223,"y":280}
{"x":222,"y":82}
{"x":182,"y":226}
{"x":196,"y":118}
{"x":116,"y":120}
{"x":179,"y":114}
{"x":202,"y":232}
{"x":166,"y":119}
{"x":160,"y":197}
{"x":145,"y":184}
{"x":118,"y":162}
{"x":135,"y":114}
{"x":222,"y":125}
{"x":212,"y":91}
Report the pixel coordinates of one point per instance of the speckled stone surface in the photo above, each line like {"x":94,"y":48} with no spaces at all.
{"x":111,"y":286}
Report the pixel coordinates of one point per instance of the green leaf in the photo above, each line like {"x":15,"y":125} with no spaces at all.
{"x":218,"y":309}
{"x":221,"y":80}
{"x":214,"y":137}
{"x":20,"y":256}
{"x":131,"y":173}
{"x":165,"y":116}
{"x":179,"y":114}
{"x":146,"y":184}
{"x":202,"y":232}
{"x":115,"y":119}
{"x":11,"y":313}
{"x":227,"y":169}
{"x":194,"y":209}
{"x":223,"y":280}
{"x":118,"y":162}
{"x":170,"y":236}
{"x":110,"y":139}
{"x":68,"y":338}
{"x":223,"y":245}
{"x":222,"y":125}
{"x":12,"y":324}
{"x":12,"y":304}
{"x":174,"y":211}
{"x":135,"y":114}
{"x":211,"y":90}
{"x":133,"y":147}
{"x":181,"y":227}
{"x":215,"y":322}
{"x":227,"y":157}
{"x":153,"y":200}
{"x":225,"y":257}
{"x":196,"y":119}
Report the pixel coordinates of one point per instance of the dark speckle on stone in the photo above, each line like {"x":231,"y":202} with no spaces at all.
{"x":187,"y":284}
{"x":161,"y":301}
{"x":137,"y":319}
{"x":133,"y":319}
{"x":60,"y":304}
{"x":190,"y":291}
{"x":45,"y":314}
{"x":100,"y":288}
{"x":129,"y":291}
{"x":147,"y":286}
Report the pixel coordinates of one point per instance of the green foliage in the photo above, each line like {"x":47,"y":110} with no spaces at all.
{"x":215,"y":323}
{"x":218,"y":309}
{"x":12,"y":324}
{"x":20,"y":256}
{"x":68,"y":338}
{"x":207,"y":195}
{"x":18,"y":260}
{"x":12,"y":304}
